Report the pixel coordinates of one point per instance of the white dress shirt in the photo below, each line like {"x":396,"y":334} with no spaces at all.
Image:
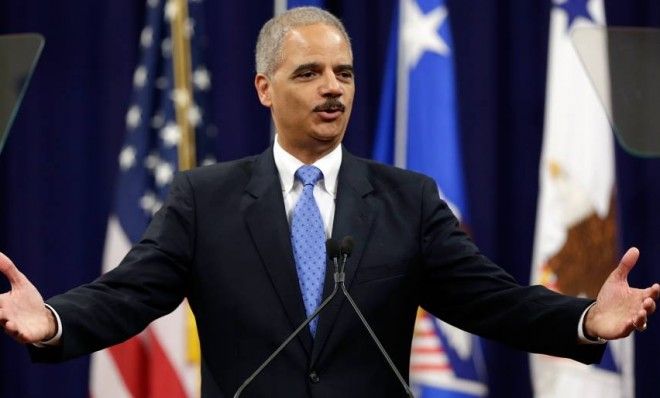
{"x":325,"y":191}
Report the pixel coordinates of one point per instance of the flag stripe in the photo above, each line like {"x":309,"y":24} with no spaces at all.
{"x":164,"y":378}
{"x":106,"y":379}
{"x":131,"y":357}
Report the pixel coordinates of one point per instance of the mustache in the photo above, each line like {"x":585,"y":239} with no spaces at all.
{"x":330,"y":105}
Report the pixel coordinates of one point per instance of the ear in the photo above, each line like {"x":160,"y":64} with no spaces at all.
{"x":262,"y":84}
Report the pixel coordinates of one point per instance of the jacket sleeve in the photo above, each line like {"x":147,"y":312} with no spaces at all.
{"x":464,"y":288}
{"x":151,"y":281}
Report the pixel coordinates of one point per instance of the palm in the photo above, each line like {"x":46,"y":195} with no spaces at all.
{"x":619,"y":307}
{"x":22,"y":310}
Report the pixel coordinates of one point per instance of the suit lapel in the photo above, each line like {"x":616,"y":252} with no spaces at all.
{"x":354,"y":217}
{"x":266,"y":219}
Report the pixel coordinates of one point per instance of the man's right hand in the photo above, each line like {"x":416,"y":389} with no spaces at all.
{"x":23,"y":314}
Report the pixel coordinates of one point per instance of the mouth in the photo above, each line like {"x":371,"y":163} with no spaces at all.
{"x":330,"y":114}
{"x":331,"y":110}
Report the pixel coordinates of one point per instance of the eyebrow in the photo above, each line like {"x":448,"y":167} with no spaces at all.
{"x":307,"y":66}
{"x":345,"y":68}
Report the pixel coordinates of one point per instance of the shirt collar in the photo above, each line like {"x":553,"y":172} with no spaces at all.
{"x":287,"y":165}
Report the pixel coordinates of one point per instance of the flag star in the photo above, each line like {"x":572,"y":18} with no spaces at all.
{"x":164,"y":174}
{"x":420,"y":32}
{"x":158,"y":120}
{"x":170,"y":134}
{"x":133,"y":116}
{"x":151,"y":161}
{"x":166,"y":47}
{"x":202,"y":78}
{"x":171,"y":9}
{"x":180,"y":96}
{"x":140,"y":76}
{"x":575,"y":9}
{"x":127,"y":158}
{"x":189,"y":27}
{"x":146,"y":37}
{"x":147,"y":201}
{"x":194,"y":115}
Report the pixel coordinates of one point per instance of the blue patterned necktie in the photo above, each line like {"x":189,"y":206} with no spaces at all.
{"x":308,"y":242}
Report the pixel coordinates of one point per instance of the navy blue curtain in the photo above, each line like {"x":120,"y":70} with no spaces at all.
{"x":58,"y":168}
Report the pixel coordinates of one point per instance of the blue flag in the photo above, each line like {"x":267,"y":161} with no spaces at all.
{"x":417,"y":130}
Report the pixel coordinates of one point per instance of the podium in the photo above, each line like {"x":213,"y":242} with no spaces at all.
{"x":623,"y":65}
{"x":18,"y":57}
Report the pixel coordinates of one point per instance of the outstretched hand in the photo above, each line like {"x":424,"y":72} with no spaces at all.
{"x":620,"y":309}
{"x":23,"y":314}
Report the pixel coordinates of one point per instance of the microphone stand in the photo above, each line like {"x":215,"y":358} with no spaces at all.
{"x":340,"y":278}
{"x":332,"y":250}
{"x":346,"y":249}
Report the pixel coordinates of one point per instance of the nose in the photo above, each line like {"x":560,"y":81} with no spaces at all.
{"x":331,"y":87}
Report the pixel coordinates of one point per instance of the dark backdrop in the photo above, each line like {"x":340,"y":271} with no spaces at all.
{"x":58,"y":168}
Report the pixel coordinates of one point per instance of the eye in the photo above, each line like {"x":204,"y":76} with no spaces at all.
{"x":345,"y":75}
{"x":306,"y":75}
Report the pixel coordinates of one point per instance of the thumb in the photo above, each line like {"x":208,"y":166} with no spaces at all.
{"x":627,"y":263}
{"x":9,"y":270}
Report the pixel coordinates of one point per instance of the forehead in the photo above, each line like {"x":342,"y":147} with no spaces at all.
{"x":317,"y":42}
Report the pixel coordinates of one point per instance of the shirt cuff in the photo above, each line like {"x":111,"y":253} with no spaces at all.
{"x":55,"y":340}
{"x":582,"y":337}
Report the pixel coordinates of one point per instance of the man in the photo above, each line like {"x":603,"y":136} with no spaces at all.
{"x":243,"y":241}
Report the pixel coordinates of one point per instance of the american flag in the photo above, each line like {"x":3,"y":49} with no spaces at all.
{"x":156,"y":363}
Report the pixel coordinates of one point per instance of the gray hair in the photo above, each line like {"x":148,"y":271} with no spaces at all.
{"x":268,"y":54}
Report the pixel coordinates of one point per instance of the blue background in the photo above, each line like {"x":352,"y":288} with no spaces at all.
{"x":58,"y":169}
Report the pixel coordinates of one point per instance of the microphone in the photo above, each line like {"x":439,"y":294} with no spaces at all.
{"x":334,"y":251}
{"x":345,"y":250}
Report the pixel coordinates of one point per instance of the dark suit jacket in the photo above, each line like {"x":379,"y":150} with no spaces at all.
{"x":222,"y":240}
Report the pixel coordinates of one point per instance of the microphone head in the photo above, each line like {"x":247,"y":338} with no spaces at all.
{"x":346,"y":246}
{"x":332,"y":248}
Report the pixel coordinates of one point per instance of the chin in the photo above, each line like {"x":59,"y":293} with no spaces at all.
{"x":333,"y":133}
{"x":328,"y":137}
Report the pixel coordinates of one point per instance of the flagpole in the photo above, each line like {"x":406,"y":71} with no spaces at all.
{"x":182,"y":82}
{"x":183,"y":98}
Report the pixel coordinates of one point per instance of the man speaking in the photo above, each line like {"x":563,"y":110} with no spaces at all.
{"x":244,"y":242}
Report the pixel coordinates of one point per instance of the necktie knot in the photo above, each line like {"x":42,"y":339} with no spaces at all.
{"x":309,"y":175}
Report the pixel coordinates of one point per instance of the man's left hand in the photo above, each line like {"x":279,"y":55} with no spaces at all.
{"x":620,"y":309}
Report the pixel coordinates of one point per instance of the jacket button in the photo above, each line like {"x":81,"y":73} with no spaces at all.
{"x":314,"y":377}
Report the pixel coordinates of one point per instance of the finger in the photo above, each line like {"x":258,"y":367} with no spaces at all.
{"x":653,"y":291}
{"x":10,"y":328}
{"x":9,"y":270}
{"x":627,"y":262}
{"x":639,"y":323}
{"x":649,"y":306}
